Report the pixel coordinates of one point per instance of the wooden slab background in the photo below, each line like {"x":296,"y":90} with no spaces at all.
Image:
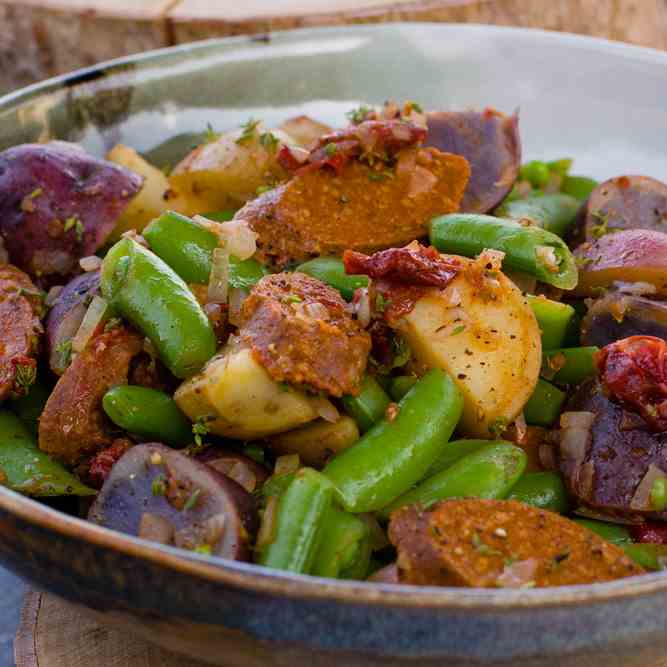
{"x":41,"y":38}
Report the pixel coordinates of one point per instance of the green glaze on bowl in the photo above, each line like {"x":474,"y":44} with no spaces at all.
{"x":599,"y":102}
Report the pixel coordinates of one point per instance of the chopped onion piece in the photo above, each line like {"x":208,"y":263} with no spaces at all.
{"x":90,"y":263}
{"x":638,"y":288}
{"x":214,"y":529}
{"x":267,"y":529}
{"x":243,"y":475}
{"x":218,"y":283}
{"x":236,"y":298}
{"x":287,"y":464}
{"x":326,"y":409}
{"x":156,"y":528}
{"x":547,"y":256}
{"x":521,"y":427}
{"x":95,"y":314}
{"x":582,"y":419}
{"x":518,"y":574}
{"x":641,"y":500}
{"x":236,"y":236}
{"x":53,"y":294}
{"x":363,"y":306}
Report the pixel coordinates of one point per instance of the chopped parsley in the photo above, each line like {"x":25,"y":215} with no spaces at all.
{"x":269,"y":141}
{"x":292,"y":298}
{"x":330,"y":149}
{"x":379,"y":175}
{"x":600,"y":229}
{"x":459,"y":329}
{"x":37,"y":192}
{"x":26,"y":374}
{"x":64,"y":350}
{"x":191,"y":502}
{"x":358,"y":115}
{"x":75,"y":224}
{"x":413,"y":106}
{"x":380,"y":303}
{"x":112,"y":323}
{"x":210,"y":135}
{"x":401,"y":350}
{"x":483,"y":548}
{"x":249,"y":131}
{"x":199,"y":428}
{"x":159,"y":485}
{"x":498,"y":426}
{"x":204,"y":549}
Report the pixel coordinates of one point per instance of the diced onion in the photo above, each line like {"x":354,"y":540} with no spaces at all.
{"x":363,"y":307}
{"x":547,"y":256}
{"x":637,"y":289}
{"x":53,"y":295}
{"x":214,"y":528}
{"x":518,"y":574}
{"x":581,"y":419}
{"x":575,"y":435}
{"x":218,"y":283}
{"x":236,"y":298}
{"x":267,"y":529}
{"x":287,"y":464}
{"x":326,"y":409}
{"x":236,"y":236}
{"x":243,"y":475}
{"x":641,"y":500}
{"x":156,"y":528}
{"x":90,"y":263}
{"x":583,"y":479}
{"x":521,"y":427}
{"x":91,"y":320}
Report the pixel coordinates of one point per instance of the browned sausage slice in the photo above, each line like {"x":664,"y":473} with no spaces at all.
{"x":300,"y":330}
{"x":500,"y":543}
{"x":73,"y":423}
{"x":321,"y":212}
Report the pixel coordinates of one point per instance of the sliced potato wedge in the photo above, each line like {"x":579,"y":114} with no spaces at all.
{"x":236,"y":398}
{"x":490,"y":346}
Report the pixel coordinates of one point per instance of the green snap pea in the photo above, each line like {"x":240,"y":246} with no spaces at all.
{"x":152,"y":297}
{"x":542,"y":489}
{"x":369,"y":406}
{"x":330,"y":270}
{"x":488,"y":473}
{"x":277,"y":484}
{"x":299,"y":524}
{"x":536,"y":172}
{"x":401,"y":385}
{"x":612,"y":532}
{"x":149,"y":413}
{"x":395,"y":455}
{"x":659,"y":494}
{"x":344,"y":546}
{"x":220,"y":216}
{"x":27,"y":469}
{"x":649,"y":556}
{"x":569,"y":365}
{"x":579,"y":187}
{"x":544,"y":406}
{"x":554,"y":212}
{"x":553,"y":318}
{"x":29,"y":408}
{"x":187,"y":247}
{"x":457,"y":449}
{"x":527,"y":247}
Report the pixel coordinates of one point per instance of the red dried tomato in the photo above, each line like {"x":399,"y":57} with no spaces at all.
{"x":634,"y":371}
{"x":102,"y":462}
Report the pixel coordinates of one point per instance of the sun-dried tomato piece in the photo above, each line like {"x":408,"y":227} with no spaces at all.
{"x":102,"y":462}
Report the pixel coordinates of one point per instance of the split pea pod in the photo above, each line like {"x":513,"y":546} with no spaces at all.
{"x":187,"y":247}
{"x":457,"y":449}
{"x":394,"y":455}
{"x":27,"y":469}
{"x":544,"y":406}
{"x":488,"y":473}
{"x":156,"y":300}
{"x":330,"y":270}
{"x":369,"y":406}
{"x":542,"y":489}
{"x":299,"y":523}
{"x":554,"y":212}
{"x":553,"y":318}
{"x":527,"y":247}
{"x":149,"y":413}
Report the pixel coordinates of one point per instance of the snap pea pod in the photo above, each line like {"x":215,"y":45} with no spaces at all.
{"x":542,"y":489}
{"x":569,"y":365}
{"x":536,"y":172}
{"x":187,"y":247}
{"x":277,"y":484}
{"x":149,"y":413}
{"x":299,"y":524}
{"x":395,"y":455}
{"x":29,"y":408}
{"x":220,"y":216}
{"x":579,"y":187}
{"x":488,"y":473}
{"x":345,"y":542}
{"x":369,"y":406}
{"x":330,"y":270}
{"x":401,"y":385}
{"x":27,"y":469}
{"x":527,"y":248}
{"x":544,"y":406}
{"x":554,"y":212}
{"x":457,"y":449}
{"x":553,"y":318}
{"x":153,"y":298}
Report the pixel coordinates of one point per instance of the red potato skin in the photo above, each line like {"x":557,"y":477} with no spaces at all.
{"x":42,"y":187}
{"x":490,"y":141}
{"x":633,"y":255}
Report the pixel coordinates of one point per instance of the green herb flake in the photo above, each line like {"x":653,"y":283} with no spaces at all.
{"x":159,"y":485}
{"x":379,"y":175}
{"x":199,"y":428}
{"x":37,"y":192}
{"x":192,"y":501}
{"x":204,"y":549}
{"x":26,"y":374}
{"x":380,"y":303}
{"x":413,"y":106}
{"x":263,"y":188}
{"x":64,"y":350}
{"x":483,"y":548}
{"x":330,"y":149}
{"x":401,"y":350}
{"x":75,"y":224}
{"x":292,"y":298}
{"x":249,"y":130}
{"x":358,"y":115}
{"x":269,"y":141}
{"x":498,"y":426}
{"x":210,"y":135}
{"x":599,"y":230}
{"x":112,"y":323}
{"x":457,"y":330}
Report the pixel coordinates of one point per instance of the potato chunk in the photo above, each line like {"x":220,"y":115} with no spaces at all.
{"x":488,"y":342}
{"x":236,"y":398}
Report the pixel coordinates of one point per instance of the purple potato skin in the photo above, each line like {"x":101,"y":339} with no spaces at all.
{"x":625,"y":202}
{"x":42,"y":186}
{"x":621,"y":449}
{"x":222,"y":459}
{"x":128,"y":493}
{"x":640,"y":317}
{"x":490,"y":141}
{"x":67,"y":313}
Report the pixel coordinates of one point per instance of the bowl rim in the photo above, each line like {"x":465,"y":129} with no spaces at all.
{"x":262,"y":580}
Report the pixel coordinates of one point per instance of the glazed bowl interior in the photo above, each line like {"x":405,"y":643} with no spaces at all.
{"x":598,"y":102}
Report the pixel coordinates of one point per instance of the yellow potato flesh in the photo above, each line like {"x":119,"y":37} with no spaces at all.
{"x":490,"y":347}
{"x":236,"y":398}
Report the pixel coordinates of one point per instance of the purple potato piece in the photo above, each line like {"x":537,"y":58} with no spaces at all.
{"x":605,"y":472}
{"x":242,"y":469}
{"x":616,"y":316}
{"x":490,"y":141}
{"x":625,"y":202}
{"x":66,"y":316}
{"x":58,"y":204}
{"x":176,"y":500}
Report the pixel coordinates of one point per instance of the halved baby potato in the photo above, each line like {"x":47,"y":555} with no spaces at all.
{"x":489,"y":344}
{"x":236,"y":398}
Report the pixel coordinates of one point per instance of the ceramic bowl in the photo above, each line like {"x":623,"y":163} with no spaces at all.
{"x":600,"y":102}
